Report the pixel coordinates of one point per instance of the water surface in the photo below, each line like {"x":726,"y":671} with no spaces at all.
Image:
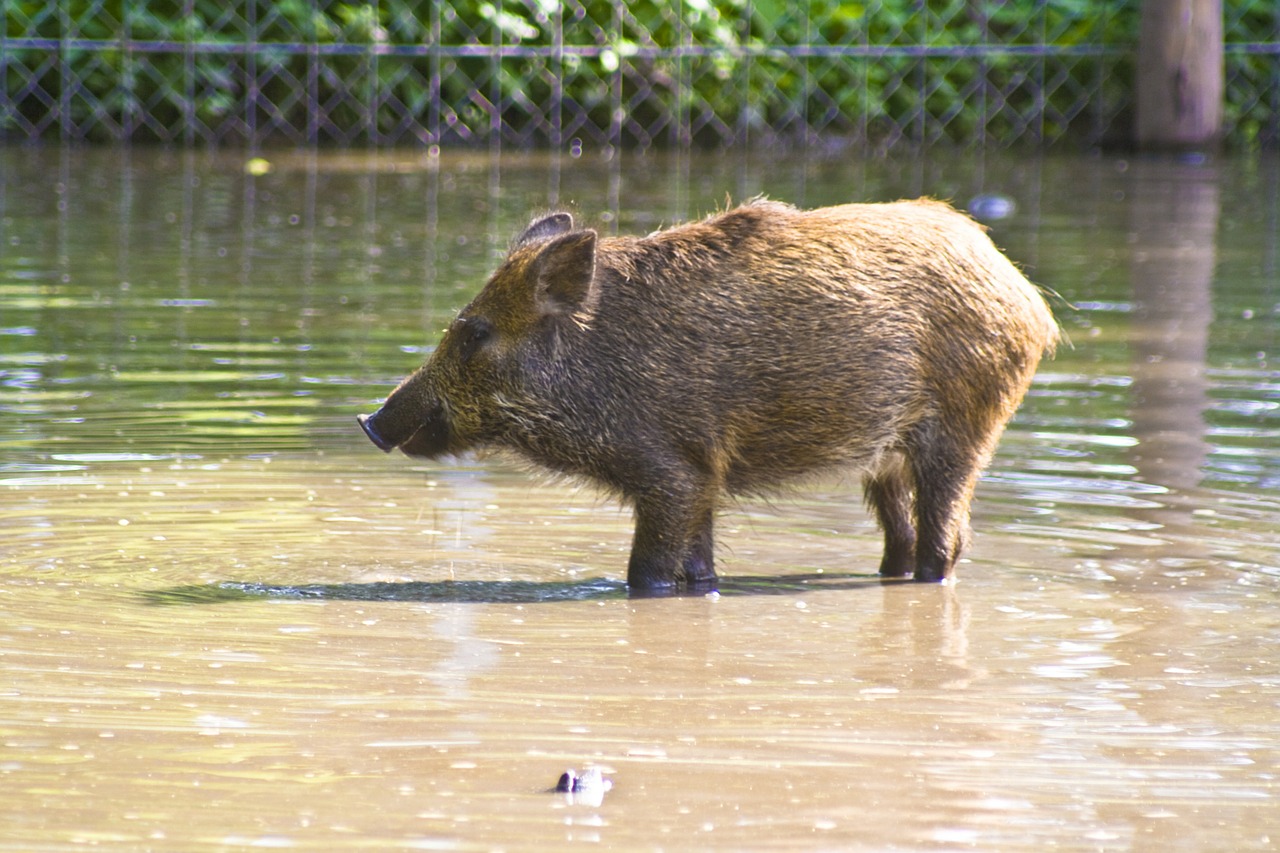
{"x":226,"y":620}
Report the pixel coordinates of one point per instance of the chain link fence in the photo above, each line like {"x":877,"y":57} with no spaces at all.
{"x":877,"y":73}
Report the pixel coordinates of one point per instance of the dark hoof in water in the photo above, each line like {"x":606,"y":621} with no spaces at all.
{"x":671,"y":589}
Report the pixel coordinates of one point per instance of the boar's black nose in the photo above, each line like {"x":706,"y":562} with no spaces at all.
{"x":369,"y":430}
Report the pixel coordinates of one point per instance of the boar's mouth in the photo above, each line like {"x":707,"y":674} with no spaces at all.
{"x":428,"y":438}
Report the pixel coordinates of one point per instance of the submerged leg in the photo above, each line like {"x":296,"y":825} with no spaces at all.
{"x":888,"y":494}
{"x":673,"y":541}
{"x":946,"y":469}
{"x":699,"y":563}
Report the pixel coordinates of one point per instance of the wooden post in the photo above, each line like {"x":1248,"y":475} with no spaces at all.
{"x":1180,"y":74}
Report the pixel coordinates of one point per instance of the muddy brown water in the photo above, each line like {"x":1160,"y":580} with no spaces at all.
{"x":227,"y":621}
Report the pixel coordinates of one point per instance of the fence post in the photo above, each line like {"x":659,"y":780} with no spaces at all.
{"x":65,"y":83}
{"x":1180,"y":68}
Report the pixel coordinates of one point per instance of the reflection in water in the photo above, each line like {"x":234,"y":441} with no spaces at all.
{"x":1174,"y":212}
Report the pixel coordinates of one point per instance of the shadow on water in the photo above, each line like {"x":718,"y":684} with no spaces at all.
{"x":506,"y":592}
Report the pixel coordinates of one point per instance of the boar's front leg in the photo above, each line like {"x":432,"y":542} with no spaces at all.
{"x":699,"y":561}
{"x":673,"y":542}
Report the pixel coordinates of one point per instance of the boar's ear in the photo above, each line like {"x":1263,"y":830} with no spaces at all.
{"x":546,"y":228}
{"x":565,"y":275}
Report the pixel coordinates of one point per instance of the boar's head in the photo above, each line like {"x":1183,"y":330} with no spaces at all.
{"x":497,"y":355}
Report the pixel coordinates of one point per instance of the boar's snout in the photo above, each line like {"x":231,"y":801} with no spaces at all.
{"x":422,"y":435}
{"x":366,"y":424}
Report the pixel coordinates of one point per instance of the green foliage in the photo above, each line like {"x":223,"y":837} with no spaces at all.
{"x":640,"y":71}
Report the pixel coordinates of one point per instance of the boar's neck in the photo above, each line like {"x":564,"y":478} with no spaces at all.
{"x":622,"y":392}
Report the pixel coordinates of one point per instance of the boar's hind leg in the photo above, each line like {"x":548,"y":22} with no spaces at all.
{"x":888,"y":494}
{"x":946,"y":469}
{"x":673,"y":542}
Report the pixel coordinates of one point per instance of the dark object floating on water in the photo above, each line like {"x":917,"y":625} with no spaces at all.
{"x":589,"y":788}
{"x":992,"y":206}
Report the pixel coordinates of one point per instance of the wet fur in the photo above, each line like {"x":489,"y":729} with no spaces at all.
{"x":736,"y":354}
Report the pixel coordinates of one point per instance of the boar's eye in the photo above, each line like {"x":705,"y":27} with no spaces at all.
{"x":474,"y":334}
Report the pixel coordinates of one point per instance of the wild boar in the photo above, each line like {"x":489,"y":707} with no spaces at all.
{"x":736,"y":354}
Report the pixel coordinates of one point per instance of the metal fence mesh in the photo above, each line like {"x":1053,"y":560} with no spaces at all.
{"x":598,"y":72}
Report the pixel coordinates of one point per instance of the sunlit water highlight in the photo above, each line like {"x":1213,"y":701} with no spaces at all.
{"x":227,"y":621}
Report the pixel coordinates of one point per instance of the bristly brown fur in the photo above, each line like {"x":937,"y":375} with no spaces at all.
{"x":732,"y":355}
